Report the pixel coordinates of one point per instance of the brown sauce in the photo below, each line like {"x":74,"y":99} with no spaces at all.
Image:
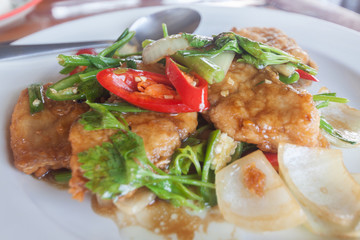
{"x":254,"y":179}
{"x":162,"y":219}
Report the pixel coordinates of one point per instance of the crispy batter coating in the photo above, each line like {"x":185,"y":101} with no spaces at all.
{"x":162,"y":134}
{"x":253,"y":106}
{"x":40,"y":141}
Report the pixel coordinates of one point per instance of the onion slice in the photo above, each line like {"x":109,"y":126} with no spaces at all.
{"x":167,"y":46}
{"x":136,"y":202}
{"x":346,"y":122}
{"x":223,"y":60}
{"x":356,"y":177}
{"x":327,"y":192}
{"x":273,"y":209}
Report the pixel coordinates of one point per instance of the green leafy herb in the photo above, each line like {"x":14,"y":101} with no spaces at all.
{"x":92,"y":90}
{"x":196,"y":41}
{"x":121,"y":166}
{"x":70,"y":88}
{"x":185,"y":157}
{"x":130,"y":63}
{"x":106,"y":170}
{"x":255,"y":53}
{"x":101,"y":118}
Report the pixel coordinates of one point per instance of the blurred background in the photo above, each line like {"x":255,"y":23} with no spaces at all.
{"x":353,"y":5}
{"x":19,"y":18}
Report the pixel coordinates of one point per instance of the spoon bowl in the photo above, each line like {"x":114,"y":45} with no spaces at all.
{"x":176,"y":19}
{"x":147,"y":27}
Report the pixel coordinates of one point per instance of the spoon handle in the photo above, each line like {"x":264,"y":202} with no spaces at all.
{"x":20,"y":51}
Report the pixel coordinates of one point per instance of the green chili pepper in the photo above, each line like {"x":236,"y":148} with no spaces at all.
{"x":208,"y":175}
{"x":291,"y":79}
{"x":36,"y":99}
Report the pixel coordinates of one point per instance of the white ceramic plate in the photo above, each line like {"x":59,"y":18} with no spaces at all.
{"x":34,"y":210}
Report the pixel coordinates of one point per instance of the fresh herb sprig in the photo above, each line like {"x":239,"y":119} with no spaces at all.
{"x":83,"y":85}
{"x":121,"y":166}
{"x":255,"y":53}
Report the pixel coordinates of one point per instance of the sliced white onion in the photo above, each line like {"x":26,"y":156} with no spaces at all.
{"x":356,"y":177}
{"x":320,"y":182}
{"x":223,"y":60}
{"x":133,"y":204}
{"x":275,"y":210}
{"x":157,"y":50}
{"x":346,"y":121}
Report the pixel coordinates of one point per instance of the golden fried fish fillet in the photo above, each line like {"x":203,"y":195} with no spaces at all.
{"x":162,"y":134}
{"x":253,"y":106}
{"x":40,"y":141}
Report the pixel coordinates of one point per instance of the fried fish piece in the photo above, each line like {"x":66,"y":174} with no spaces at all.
{"x":253,"y":106}
{"x":161,"y":132}
{"x":40,"y":141}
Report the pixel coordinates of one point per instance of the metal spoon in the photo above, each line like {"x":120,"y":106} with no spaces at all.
{"x":147,"y":27}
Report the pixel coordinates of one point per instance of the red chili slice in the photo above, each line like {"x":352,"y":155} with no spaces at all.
{"x":174,"y":93}
{"x":273,"y":159}
{"x":307,"y":76}
{"x":192,"y":89}
{"x":124,"y":83}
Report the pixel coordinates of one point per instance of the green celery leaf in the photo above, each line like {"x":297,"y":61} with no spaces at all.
{"x":121,"y":166}
{"x":168,"y":191}
{"x":100,"y":118}
{"x":196,"y":41}
{"x":131,"y":146}
{"x":185,"y":157}
{"x":247,"y":58}
{"x":112,"y":168}
{"x":105,"y":169}
{"x":92,"y":89}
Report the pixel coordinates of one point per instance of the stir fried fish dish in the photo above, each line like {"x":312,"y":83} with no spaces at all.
{"x":221,"y":124}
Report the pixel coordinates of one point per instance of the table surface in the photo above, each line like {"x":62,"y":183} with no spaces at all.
{"x":42,"y":16}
